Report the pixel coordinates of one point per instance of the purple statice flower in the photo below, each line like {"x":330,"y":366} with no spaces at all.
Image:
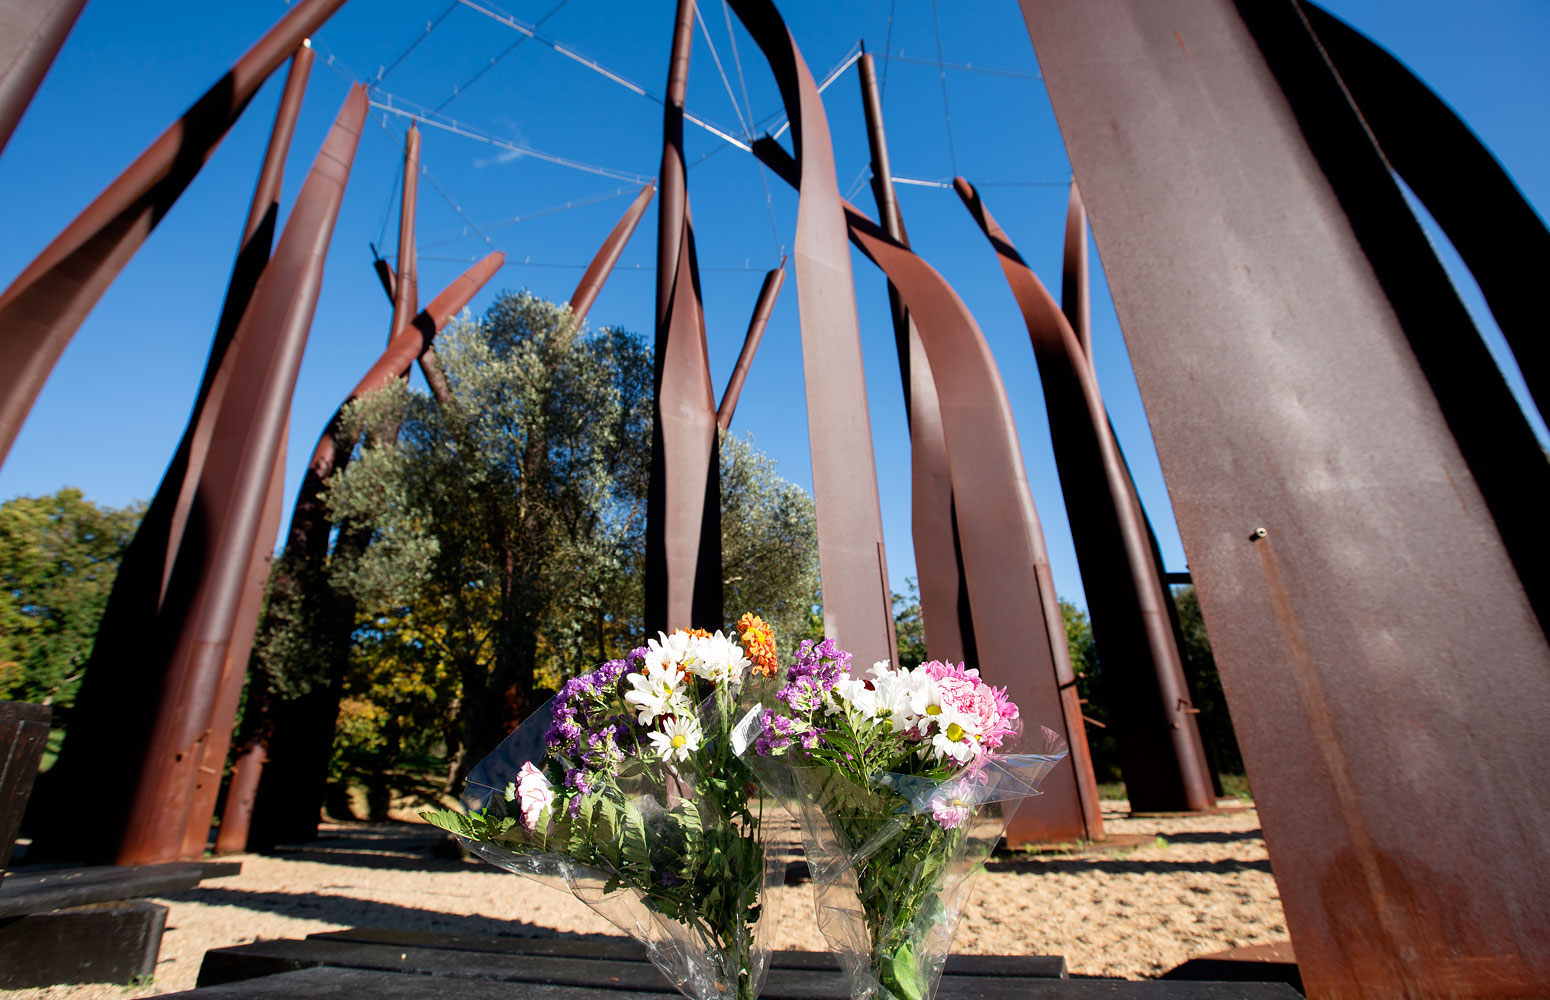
{"x":810,"y":739}
{"x":577,"y":778}
{"x":602,"y":755}
{"x":817,"y":668}
{"x":774,"y":733}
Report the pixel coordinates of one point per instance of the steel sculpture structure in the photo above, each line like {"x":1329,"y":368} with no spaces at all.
{"x":944,"y":597}
{"x":31,"y":32}
{"x":763,"y":306}
{"x":47,"y":302}
{"x":608,"y":255}
{"x":140,"y":586}
{"x":1161,"y":753}
{"x":1006,"y":566}
{"x":1360,"y":497}
{"x":296,"y":794}
{"x":1498,"y":234}
{"x":683,"y":499}
{"x":857,"y":605}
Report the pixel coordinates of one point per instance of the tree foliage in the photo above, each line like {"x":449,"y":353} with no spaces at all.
{"x":58,"y":557}
{"x":769,"y":543}
{"x":1206,"y":685}
{"x":909,"y":626}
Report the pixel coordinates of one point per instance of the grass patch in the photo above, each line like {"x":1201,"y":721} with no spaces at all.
{"x":1112,"y":790}
{"x":1237,"y":785}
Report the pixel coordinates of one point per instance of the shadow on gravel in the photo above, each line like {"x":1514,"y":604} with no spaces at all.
{"x":1214,"y":837}
{"x":365,"y":913}
{"x":1121,"y":867}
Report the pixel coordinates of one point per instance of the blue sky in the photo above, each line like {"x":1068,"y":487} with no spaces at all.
{"x":117,"y":402}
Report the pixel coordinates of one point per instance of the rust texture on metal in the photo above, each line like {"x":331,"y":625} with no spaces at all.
{"x":1006,"y":566}
{"x":1495,"y":230}
{"x":768,"y":293}
{"x":1075,"y":291}
{"x":406,"y":283}
{"x":1159,"y":741}
{"x":31,"y":32}
{"x":194,"y":629}
{"x":1337,"y":443}
{"x":683,"y":500}
{"x":45,"y":305}
{"x":143,"y":575}
{"x":608,"y":255}
{"x":857,"y":606}
{"x":944,"y":597}
{"x":430,"y":364}
{"x":306,"y":547}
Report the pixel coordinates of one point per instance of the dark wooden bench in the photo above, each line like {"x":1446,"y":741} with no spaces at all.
{"x":391,"y":964}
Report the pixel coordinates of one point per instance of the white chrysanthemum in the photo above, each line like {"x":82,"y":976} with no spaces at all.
{"x":680,"y":736}
{"x":671,"y":650}
{"x":852,"y":694}
{"x":717,"y":658}
{"x":658,"y":690}
{"x":925,"y":698}
{"x":957,"y":736}
{"x":891,"y":696}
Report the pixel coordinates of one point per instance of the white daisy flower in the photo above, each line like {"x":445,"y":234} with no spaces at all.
{"x":957,"y":736}
{"x":680,"y":737}
{"x":852,"y":694}
{"x":891,"y":696}
{"x":658,"y":690}
{"x":925,"y":697}
{"x":717,"y":659}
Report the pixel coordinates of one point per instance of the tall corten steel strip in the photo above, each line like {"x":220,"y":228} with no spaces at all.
{"x":309,"y":531}
{"x":1160,"y":748}
{"x":115,"y":701}
{"x":944,"y":598}
{"x":406,"y":280}
{"x":1005,"y":563}
{"x":47,"y":302}
{"x":1360,"y":498}
{"x":608,"y":255}
{"x":763,"y":306}
{"x":857,"y":601}
{"x":31,"y":32}
{"x":193,"y":632}
{"x":683,"y":505}
{"x":1498,"y":234}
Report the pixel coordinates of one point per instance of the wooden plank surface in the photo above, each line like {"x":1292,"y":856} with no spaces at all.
{"x":23,"y":736}
{"x":331,"y":983}
{"x":101,"y":943}
{"x":54,"y":888}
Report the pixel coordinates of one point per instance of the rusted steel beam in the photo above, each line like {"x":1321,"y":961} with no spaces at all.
{"x":683,"y":505}
{"x":194,"y":628}
{"x":406,"y":284}
{"x":1354,"y":485}
{"x":608,"y":255}
{"x":858,"y":606}
{"x":306,"y":546}
{"x":944,"y":598}
{"x":1159,"y":741}
{"x":47,"y":302}
{"x":768,"y":293}
{"x":107,"y":726}
{"x":1495,"y":230}
{"x":1075,"y":291}
{"x":31,"y":32}
{"x":1005,"y":562}
{"x":430,"y":364}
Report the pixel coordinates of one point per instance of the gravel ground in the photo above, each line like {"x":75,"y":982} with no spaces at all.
{"x":1199,"y":884}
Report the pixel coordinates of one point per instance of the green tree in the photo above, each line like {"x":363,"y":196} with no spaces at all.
{"x":58,"y":557}
{"x":908,"y":626}
{"x":1089,"y":688}
{"x":769,"y":543}
{"x":511,"y":517}
{"x":1206,"y":686}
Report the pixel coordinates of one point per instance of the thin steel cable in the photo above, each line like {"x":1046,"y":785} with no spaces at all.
{"x":528,"y":262}
{"x":742,"y":82}
{"x":834,"y":74}
{"x":947,"y":113}
{"x":430,"y":26}
{"x":887,"y":46}
{"x":425,"y":172}
{"x":529,"y":216}
{"x":457,"y":90}
{"x":960,"y":67}
{"x":715,"y":57}
{"x":387,"y":208}
{"x":862,"y":176}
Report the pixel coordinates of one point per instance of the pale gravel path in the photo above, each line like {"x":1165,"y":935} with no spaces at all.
{"x":1132,"y":914}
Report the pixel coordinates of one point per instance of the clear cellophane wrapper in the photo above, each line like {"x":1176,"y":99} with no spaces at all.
{"x":890,"y":880}
{"x":650,"y":852}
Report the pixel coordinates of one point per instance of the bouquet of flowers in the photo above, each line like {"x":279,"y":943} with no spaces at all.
{"x":623,"y":789}
{"x":903,"y":781}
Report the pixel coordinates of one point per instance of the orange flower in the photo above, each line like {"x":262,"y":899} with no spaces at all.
{"x":759,"y":643}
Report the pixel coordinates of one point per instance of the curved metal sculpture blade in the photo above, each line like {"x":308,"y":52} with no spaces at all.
{"x":608,"y":255}
{"x":944,"y":598}
{"x":683,"y":498}
{"x":1492,"y":226}
{"x":406,"y":282}
{"x":1005,"y":562}
{"x":857,"y":606}
{"x":47,"y":302}
{"x":195,"y":625}
{"x":763,"y":306}
{"x":1075,"y":292}
{"x":1160,"y":747}
{"x":306,"y":547}
{"x":34,"y":32}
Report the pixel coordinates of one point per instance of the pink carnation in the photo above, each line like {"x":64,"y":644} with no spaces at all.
{"x":966,"y":692}
{"x":534,"y":793}
{"x":949,"y":814}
